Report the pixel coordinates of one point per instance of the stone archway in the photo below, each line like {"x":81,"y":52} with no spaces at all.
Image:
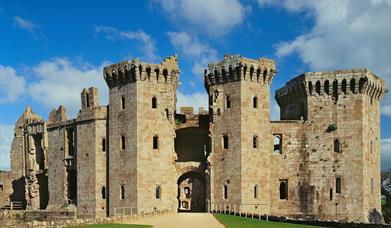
{"x":191,"y":192}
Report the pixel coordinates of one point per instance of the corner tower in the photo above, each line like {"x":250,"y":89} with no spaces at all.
{"x":141,"y":135}
{"x":239,"y":91}
{"x":342,"y":109}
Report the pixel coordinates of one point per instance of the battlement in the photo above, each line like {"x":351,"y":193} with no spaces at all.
{"x":332,"y":83}
{"x":131,"y":71}
{"x":236,"y":68}
{"x":89,"y":98}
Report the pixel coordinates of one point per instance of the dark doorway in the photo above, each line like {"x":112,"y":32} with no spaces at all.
{"x":191,"y":192}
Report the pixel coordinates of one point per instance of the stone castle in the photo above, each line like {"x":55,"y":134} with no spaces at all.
{"x":141,"y":155}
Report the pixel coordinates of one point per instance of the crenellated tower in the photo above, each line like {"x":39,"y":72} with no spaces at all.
{"x":342,"y":127}
{"x":239,"y":91}
{"x":141,"y":134}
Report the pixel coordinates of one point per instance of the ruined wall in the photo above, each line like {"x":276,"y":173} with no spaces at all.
{"x":91,"y":156}
{"x":290,"y":163}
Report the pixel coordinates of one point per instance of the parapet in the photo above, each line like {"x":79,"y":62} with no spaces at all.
{"x":236,"y":68}
{"x":333,"y":83}
{"x":131,"y":71}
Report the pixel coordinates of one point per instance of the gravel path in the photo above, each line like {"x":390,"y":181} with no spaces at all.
{"x":181,"y":220}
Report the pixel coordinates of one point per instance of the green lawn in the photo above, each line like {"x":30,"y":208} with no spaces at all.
{"x":112,"y":226}
{"x":231,"y":221}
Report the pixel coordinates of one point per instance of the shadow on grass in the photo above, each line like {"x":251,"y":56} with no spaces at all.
{"x":231,"y":221}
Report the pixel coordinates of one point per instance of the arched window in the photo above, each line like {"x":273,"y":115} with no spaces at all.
{"x":277,"y":138}
{"x":225,"y":191}
{"x":155,"y":142}
{"x":327,"y":87}
{"x":123,"y":142}
{"x":335,"y":91}
{"x":337,"y":148}
{"x":284,"y":189}
{"x":255,"y":102}
{"x":122,"y":193}
{"x":103,"y":144}
{"x":338,"y":183}
{"x":228,"y":101}
{"x":154,"y":102}
{"x":255,"y":191}
{"x":123,"y":102}
{"x":258,"y":74}
{"x":343,"y":86}
{"x":103,"y":192}
{"x":353,"y":85}
{"x":218,"y":112}
{"x":255,"y":141}
{"x":225,"y":141}
{"x":317,"y":87}
{"x":361,"y":85}
{"x":158,"y":192}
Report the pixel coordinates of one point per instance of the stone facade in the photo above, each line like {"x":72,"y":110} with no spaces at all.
{"x":138,"y":155}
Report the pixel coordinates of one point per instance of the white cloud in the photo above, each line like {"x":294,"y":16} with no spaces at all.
{"x":35,"y":29}
{"x":191,"y":47}
{"x":213,"y":17}
{"x":194,"y":100}
{"x":386,"y":154}
{"x":6,"y":136}
{"x":346,"y":34}
{"x":11,"y":85}
{"x":147,"y":44}
{"x":60,"y":81}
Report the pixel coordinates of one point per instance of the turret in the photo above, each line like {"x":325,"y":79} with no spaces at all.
{"x":89,"y":98}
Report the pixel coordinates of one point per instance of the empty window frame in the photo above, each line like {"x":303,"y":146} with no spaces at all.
{"x":255,"y":191}
{"x":155,"y":142}
{"x":337,"y":148}
{"x":331,"y":194}
{"x":225,"y":191}
{"x":283,"y":189}
{"x":255,"y":102}
{"x":103,"y":192}
{"x":103,"y":144}
{"x":228,"y":103}
{"x":255,"y":141}
{"x":123,"y":102}
{"x":123,"y":142}
{"x":338,"y":185}
{"x":277,"y":140}
{"x":225,"y":142}
{"x":154,"y":102}
{"x":122,"y":192}
{"x":158,"y":192}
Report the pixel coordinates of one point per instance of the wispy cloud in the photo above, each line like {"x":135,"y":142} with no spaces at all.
{"x":34,"y":28}
{"x":147,"y":44}
{"x":191,"y":47}
{"x":212,"y":17}
{"x":11,"y":85}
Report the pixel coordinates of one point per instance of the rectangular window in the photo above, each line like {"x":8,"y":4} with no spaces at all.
{"x":1,"y":187}
{"x":331,"y":194}
{"x":123,"y":102}
{"x":122,"y":193}
{"x":255,"y":191}
{"x":338,"y":185}
{"x":225,"y":191}
{"x":284,"y":189}
{"x":228,"y":101}
{"x":225,"y":141}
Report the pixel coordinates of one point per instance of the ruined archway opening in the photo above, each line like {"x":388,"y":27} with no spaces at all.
{"x":191,"y":192}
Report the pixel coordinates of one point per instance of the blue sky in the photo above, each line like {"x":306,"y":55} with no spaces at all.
{"x":50,"y":50}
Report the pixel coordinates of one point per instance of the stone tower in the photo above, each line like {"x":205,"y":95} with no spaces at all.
{"x":342,"y":148}
{"x":239,"y":90}
{"x":141,"y":135}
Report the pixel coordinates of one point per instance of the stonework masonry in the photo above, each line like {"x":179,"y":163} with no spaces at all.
{"x":139,"y":155}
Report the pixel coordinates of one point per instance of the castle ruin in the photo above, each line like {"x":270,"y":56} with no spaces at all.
{"x":139,"y":154}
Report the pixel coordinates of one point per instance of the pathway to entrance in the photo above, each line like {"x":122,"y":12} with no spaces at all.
{"x":180,"y":220}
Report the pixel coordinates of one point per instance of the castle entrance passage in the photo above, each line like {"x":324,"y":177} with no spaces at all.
{"x":191,"y":192}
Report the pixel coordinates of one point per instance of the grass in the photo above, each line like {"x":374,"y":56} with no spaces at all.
{"x":231,"y":221}
{"x":112,"y":226}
